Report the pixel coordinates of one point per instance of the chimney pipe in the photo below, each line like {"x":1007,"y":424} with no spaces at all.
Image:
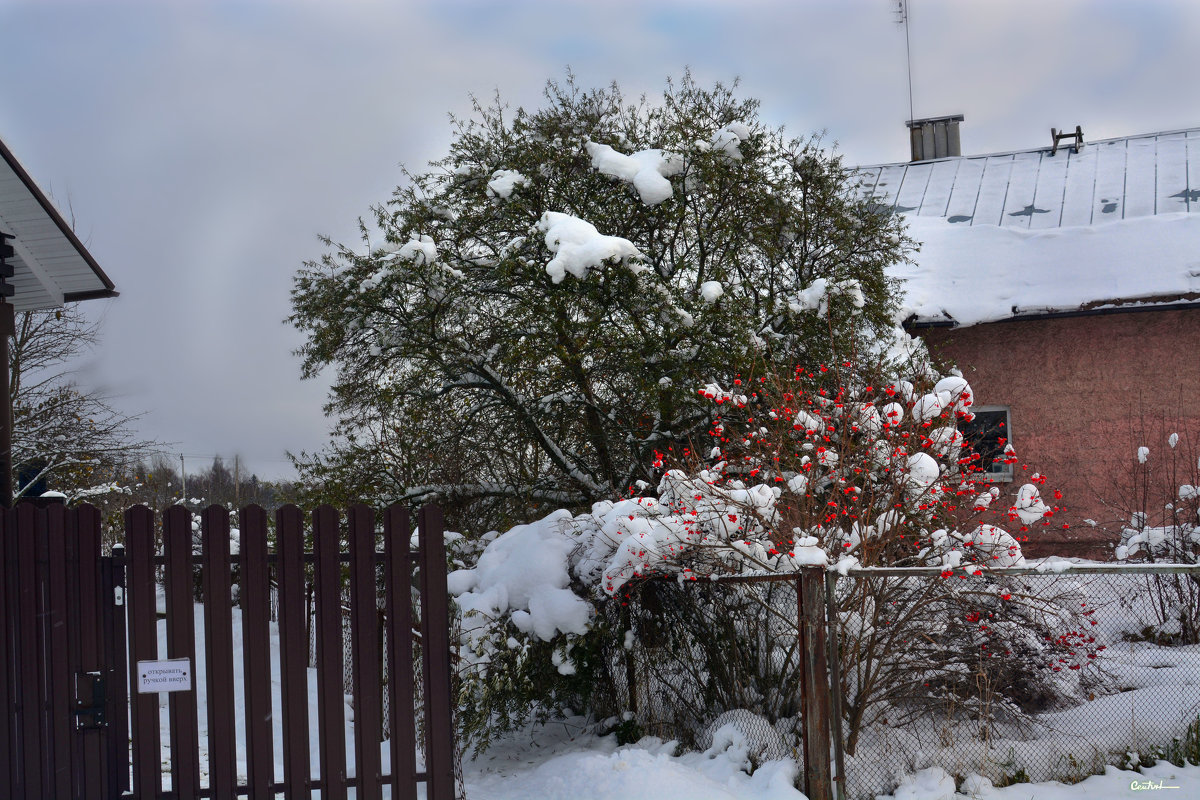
{"x":934,"y":137}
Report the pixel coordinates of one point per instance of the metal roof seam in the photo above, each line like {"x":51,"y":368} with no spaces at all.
{"x":1125,"y":182}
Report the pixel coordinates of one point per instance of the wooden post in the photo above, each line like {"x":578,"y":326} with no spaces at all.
{"x":817,"y":775}
{"x":835,"y":678}
{"x":8,"y":327}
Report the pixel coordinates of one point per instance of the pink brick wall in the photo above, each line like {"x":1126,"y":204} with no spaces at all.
{"x":1084,"y":393}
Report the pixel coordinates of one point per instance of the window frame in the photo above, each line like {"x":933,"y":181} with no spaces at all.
{"x":1005,"y":473}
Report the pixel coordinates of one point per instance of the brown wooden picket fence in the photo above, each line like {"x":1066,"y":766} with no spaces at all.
{"x":76,"y":624}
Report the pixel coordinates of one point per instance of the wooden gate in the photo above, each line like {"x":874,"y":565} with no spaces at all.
{"x":77,"y":624}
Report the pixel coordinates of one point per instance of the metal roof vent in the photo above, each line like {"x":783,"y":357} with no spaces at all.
{"x":934,"y":137}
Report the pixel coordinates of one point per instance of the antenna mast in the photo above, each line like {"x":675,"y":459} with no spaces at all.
{"x":902,"y":18}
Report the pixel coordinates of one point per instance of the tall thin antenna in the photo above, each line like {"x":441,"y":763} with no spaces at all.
{"x":902,"y":18}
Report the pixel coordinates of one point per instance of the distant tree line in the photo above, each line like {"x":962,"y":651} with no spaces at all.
{"x":158,"y":484}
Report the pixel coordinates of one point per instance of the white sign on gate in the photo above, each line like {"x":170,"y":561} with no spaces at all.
{"x":172,"y":675}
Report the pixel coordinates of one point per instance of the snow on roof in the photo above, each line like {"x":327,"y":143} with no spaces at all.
{"x":1013,"y":234}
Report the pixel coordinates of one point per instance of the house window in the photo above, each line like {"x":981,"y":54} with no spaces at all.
{"x":988,"y":434}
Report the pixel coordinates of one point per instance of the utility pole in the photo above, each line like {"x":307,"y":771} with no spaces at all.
{"x":237,"y":481}
{"x":182,"y":480}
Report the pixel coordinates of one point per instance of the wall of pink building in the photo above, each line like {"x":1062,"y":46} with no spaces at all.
{"x":1084,"y":393}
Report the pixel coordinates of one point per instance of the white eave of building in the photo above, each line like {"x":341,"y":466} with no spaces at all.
{"x":1113,"y":227}
{"x":52,"y":266}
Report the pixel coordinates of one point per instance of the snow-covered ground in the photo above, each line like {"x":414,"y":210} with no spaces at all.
{"x":566,"y":759}
{"x":561,"y":761}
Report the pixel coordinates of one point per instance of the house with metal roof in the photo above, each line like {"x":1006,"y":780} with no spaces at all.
{"x":51,"y":265}
{"x":1065,"y":282}
{"x":44,"y":265}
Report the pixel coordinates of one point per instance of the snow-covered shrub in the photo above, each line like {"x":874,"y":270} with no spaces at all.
{"x":747,"y":738}
{"x":1162,"y":528}
{"x":834,"y":466}
{"x":1162,"y":524}
{"x":850,"y":467}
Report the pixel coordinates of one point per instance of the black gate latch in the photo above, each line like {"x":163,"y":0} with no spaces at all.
{"x":89,"y":701}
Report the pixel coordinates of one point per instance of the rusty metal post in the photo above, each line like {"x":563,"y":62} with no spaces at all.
{"x":817,"y":777}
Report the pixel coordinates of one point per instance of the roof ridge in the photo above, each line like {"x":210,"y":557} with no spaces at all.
{"x":1153,"y":135}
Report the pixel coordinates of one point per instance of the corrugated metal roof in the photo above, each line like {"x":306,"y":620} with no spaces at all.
{"x":51,"y":265}
{"x":1109,"y":180}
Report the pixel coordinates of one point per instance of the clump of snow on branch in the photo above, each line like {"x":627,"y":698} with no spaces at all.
{"x":521,"y":577}
{"x":419,"y":250}
{"x":711,"y":291}
{"x":1030,"y":507}
{"x":815,"y":296}
{"x":504,"y":181}
{"x":579,"y":247}
{"x":647,"y":170}
{"x":728,"y":140}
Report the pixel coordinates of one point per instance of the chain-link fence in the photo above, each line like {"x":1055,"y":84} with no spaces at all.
{"x":1014,"y":675}
{"x":700,"y":654}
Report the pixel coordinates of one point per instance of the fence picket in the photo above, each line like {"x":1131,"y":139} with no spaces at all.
{"x":114,"y":654}
{"x":435,"y":639}
{"x":57,"y":656}
{"x":218,"y":653}
{"x":92,"y":775}
{"x":330,"y":688}
{"x":29,"y":732}
{"x":77,"y":583}
{"x":65,"y":649}
{"x":8,"y":669}
{"x":364,"y":638}
{"x":256,"y":653}
{"x":143,"y":646}
{"x":293,"y":650}
{"x":181,"y":643}
{"x":401,"y":681}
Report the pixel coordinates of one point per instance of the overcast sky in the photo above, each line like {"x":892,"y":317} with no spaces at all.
{"x":202,"y":147}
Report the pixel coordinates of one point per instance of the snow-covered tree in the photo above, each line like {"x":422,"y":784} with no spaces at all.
{"x":71,"y":438}
{"x":525,"y":323}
